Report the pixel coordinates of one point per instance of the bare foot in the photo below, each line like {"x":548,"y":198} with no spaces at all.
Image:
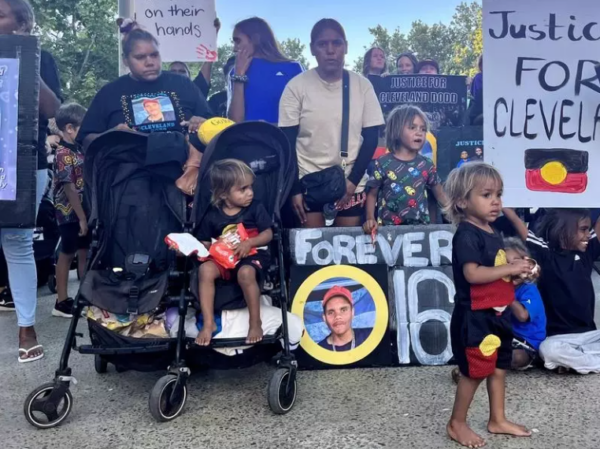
{"x":28,"y":340}
{"x":205,"y":335}
{"x":463,"y":435}
{"x":255,"y":334}
{"x":508,"y":428}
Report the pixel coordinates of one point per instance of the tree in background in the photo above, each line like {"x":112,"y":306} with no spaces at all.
{"x":455,"y":46}
{"x":82,"y":37}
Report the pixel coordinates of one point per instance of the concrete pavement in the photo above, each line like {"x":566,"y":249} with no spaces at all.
{"x":368,"y":408}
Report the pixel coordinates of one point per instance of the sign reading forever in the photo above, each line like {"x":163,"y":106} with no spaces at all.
{"x":443,"y":98}
{"x":419,"y":293}
{"x":184,"y":28}
{"x":541,"y":100}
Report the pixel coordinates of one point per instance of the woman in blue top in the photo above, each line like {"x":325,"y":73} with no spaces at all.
{"x":260,"y":74}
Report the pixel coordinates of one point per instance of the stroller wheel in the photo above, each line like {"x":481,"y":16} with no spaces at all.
{"x":167,"y":399}
{"x":52,"y":284}
{"x":48,"y":405}
{"x":282,"y":391}
{"x":100,"y":364}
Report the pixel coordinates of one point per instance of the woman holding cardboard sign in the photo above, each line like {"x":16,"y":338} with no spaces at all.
{"x":148,"y":100}
{"x":332,"y":118}
{"x":17,"y":17}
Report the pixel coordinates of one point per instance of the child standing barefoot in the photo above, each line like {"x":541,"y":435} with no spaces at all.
{"x":233,"y":203}
{"x":480,"y":326}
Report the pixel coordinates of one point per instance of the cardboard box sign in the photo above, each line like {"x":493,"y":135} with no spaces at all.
{"x":19,"y":71}
{"x":345,"y":314}
{"x":407,"y":272}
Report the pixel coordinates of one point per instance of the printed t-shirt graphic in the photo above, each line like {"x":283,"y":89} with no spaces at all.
{"x":153,"y":112}
{"x":402,"y":195}
{"x":556,"y":170}
{"x":497,"y":294}
{"x":153,"y":109}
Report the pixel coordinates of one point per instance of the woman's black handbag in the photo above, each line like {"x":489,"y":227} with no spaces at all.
{"x":329,"y":185}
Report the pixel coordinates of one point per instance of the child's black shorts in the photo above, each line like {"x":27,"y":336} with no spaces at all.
{"x":70,"y":241}
{"x":260,"y":262}
{"x":481,"y":341}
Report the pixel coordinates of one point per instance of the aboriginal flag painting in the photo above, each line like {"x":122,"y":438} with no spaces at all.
{"x":556,"y":170}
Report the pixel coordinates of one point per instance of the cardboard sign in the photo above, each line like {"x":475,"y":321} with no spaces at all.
{"x":541,"y":96}
{"x":457,"y":146}
{"x":185,"y":29}
{"x":443,"y":98}
{"x":19,"y":106}
{"x":411,"y":265}
{"x":342,"y":332}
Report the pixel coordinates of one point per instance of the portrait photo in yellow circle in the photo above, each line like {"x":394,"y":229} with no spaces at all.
{"x":345,"y":314}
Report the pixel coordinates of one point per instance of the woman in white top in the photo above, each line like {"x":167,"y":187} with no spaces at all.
{"x":310,"y":114}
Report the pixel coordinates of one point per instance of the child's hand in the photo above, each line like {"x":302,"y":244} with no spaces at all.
{"x":83,"y":228}
{"x":370,"y":226}
{"x":243,"y":249}
{"x":519,"y":267}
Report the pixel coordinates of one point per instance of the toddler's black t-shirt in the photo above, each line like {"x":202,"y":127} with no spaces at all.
{"x":255,"y":219}
{"x":474,"y":245}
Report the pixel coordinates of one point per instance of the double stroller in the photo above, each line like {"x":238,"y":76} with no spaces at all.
{"x":131,"y":271}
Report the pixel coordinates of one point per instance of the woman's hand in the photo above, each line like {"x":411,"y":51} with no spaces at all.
{"x":243,"y":58}
{"x":193,"y":124}
{"x":188,"y":181}
{"x":299,"y":207}
{"x":350,"y":189}
{"x":52,"y":143}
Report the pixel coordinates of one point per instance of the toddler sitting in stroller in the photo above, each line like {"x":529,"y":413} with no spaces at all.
{"x":233,"y":203}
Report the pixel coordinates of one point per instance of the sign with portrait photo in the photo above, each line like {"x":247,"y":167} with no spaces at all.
{"x":345,"y":314}
{"x":185,"y":29}
{"x":457,"y":146}
{"x":19,"y":106}
{"x":541,"y":96}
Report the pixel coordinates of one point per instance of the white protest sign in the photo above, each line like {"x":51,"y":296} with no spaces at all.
{"x":184,"y":28}
{"x":541,"y":100}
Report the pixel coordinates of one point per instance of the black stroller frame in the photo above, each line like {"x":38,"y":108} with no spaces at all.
{"x":50,"y":404}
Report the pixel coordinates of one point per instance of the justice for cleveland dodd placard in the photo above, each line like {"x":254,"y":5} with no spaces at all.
{"x":542,"y":100}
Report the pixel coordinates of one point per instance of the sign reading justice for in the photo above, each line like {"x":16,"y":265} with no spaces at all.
{"x":542,"y":98}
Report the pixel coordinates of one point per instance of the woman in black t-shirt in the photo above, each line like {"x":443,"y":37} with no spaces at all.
{"x":17,"y":17}
{"x":148,"y":100}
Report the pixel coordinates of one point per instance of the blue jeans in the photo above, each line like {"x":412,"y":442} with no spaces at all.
{"x":22,"y":274}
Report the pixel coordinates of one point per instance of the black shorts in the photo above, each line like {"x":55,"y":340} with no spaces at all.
{"x":355,"y":208}
{"x":481,"y":341}
{"x":260,"y":262}
{"x":70,"y":241}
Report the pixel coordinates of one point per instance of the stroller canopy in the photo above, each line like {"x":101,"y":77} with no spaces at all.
{"x":265,"y":149}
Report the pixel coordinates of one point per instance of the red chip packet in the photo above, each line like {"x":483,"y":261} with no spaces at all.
{"x":222,"y":251}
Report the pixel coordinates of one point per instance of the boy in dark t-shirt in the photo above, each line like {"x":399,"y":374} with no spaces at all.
{"x":233,"y":203}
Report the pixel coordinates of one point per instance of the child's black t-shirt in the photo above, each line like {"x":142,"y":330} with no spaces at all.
{"x":255,"y":219}
{"x":155,"y":106}
{"x":566,"y":286}
{"x":474,"y":245}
